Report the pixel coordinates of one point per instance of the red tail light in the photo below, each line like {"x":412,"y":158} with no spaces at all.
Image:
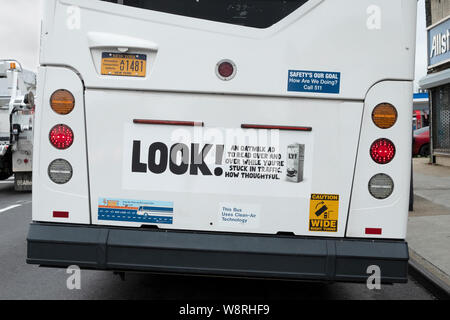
{"x":374,"y":231}
{"x":382,"y":151}
{"x":226,"y":69}
{"x":60,"y":214}
{"x":61,"y":136}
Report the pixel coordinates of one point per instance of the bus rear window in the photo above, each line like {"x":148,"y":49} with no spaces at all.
{"x":250,"y":13}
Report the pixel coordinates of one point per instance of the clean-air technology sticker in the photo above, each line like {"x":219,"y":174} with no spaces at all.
{"x":135,"y":211}
{"x":239,"y":215}
{"x":314,"y":81}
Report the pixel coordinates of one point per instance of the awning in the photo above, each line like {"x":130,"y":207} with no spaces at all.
{"x":435,"y":79}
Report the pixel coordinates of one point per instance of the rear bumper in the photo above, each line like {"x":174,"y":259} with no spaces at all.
{"x":107,"y":248}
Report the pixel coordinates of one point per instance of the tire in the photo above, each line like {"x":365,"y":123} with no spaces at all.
{"x":425,"y":150}
{"x":5,"y":175}
{"x":6,"y":166}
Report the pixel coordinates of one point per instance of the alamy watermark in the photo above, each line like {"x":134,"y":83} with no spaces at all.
{"x":74,"y":280}
{"x":374,"y":17}
{"x":374,"y":280}
{"x":73,"y":21}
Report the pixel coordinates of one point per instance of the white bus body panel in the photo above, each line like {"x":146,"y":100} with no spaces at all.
{"x":183,"y":51}
{"x":181,"y":84}
{"x":280,"y":206}
{"x":73,"y":196}
{"x":390,"y":214}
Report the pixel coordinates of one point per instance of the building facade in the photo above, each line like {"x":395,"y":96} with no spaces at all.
{"x":437,"y":81}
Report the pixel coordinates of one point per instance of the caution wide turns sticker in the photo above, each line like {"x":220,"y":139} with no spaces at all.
{"x":323,"y":212}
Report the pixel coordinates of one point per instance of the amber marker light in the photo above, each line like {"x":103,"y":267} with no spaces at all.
{"x":384,"y":115}
{"x":62,"y":101}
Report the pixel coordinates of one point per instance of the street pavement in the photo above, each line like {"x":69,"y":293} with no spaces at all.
{"x":432,"y":182}
{"x":429,"y":224}
{"x":21,"y":281}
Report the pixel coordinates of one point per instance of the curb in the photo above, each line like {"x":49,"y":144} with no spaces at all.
{"x":429,"y":276}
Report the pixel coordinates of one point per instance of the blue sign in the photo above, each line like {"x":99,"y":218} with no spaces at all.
{"x":314,"y":81}
{"x":159,"y":212}
{"x":439,"y":43}
{"x":420,"y":95}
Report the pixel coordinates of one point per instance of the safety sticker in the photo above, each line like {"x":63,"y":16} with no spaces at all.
{"x":135,"y":211}
{"x":323,"y":212}
{"x":314,"y":81}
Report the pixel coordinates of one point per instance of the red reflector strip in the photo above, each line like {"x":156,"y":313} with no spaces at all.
{"x":274,"y":127}
{"x":60,"y":214}
{"x":169,"y":122}
{"x":373,"y":230}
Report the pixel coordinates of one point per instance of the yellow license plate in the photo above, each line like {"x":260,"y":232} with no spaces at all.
{"x":121,"y":64}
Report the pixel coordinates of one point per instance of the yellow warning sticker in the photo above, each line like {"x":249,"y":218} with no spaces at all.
{"x":323,"y":212}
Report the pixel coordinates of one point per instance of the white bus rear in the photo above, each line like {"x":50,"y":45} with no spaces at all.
{"x":242,"y":138}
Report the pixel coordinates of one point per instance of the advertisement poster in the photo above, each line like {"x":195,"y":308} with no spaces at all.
{"x":217,"y":160}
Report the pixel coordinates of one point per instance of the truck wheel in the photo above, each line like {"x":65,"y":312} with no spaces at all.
{"x":5,"y":175}
{"x":425,"y":150}
{"x":6,"y":166}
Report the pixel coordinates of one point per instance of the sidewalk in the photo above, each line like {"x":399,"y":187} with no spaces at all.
{"x":429,"y":224}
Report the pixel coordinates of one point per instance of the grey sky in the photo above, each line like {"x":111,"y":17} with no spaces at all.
{"x":421,"y":44}
{"x":20,"y":27}
{"x":19,"y":31}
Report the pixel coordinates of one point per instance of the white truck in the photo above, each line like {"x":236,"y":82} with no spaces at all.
{"x":17,"y":89}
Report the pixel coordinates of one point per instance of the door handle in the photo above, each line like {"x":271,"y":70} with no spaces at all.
{"x":98,"y":40}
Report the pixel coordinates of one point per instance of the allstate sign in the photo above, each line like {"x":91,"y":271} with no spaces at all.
{"x":439,"y":43}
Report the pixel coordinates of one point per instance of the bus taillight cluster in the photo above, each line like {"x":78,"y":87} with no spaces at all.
{"x":61,"y":136}
{"x":382,"y":150}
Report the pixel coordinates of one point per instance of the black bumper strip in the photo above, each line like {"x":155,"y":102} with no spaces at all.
{"x":108,"y":248}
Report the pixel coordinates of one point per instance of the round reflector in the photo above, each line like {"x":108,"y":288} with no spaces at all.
{"x":384,"y":115}
{"x":226,"y":69}
{"x":382,"y":151}
{"x":62,"y":101}
{"x":381,"y":186}
{"x":61,"y":136}
{"x":60,"y":171}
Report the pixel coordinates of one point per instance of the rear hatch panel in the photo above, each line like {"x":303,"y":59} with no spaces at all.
{"x":231,"y":179}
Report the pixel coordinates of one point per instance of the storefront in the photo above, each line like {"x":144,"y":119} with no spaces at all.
{"x":437,"y":82}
